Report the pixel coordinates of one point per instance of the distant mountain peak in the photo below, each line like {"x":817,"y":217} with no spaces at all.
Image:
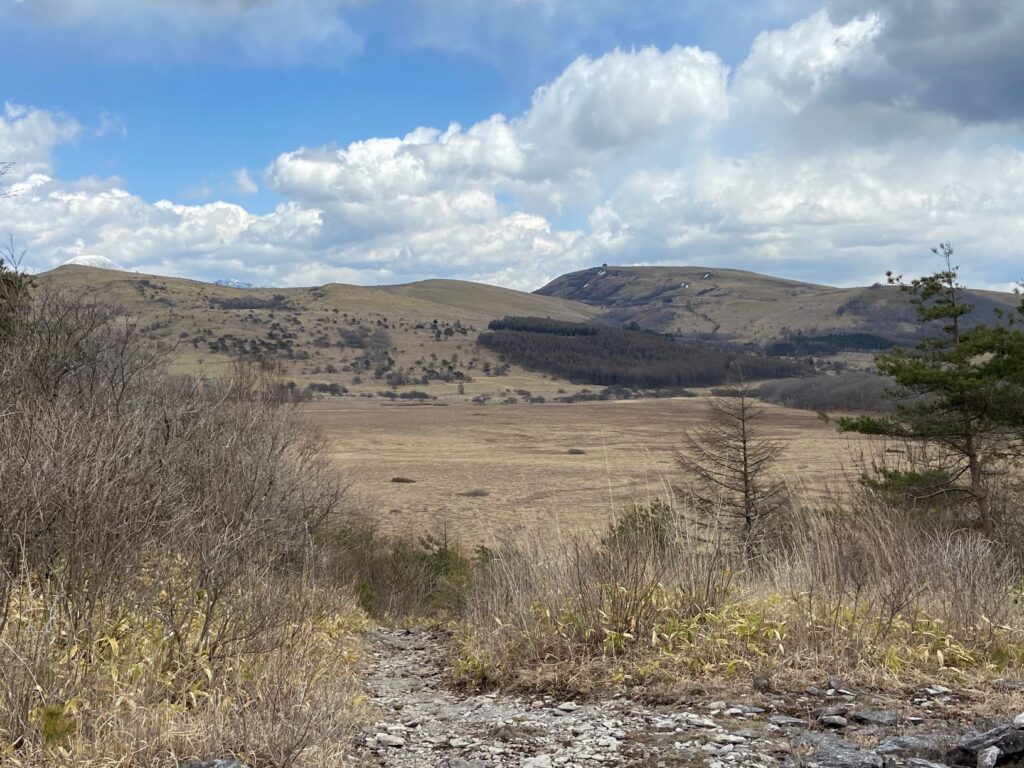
{"x":232,"y":283}
{"x":99,"y":262}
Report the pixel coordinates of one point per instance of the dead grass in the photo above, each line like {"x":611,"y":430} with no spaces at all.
{"x":557,"y":468}
{"x":861,"y":591}
{"x":289,"y":696}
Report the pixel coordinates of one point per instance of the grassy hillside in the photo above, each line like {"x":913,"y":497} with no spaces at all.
{"x":420,"y":336}
{"x":486,"y":300}
{"x":730,"y":304}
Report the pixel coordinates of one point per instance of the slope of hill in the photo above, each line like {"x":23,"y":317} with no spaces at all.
{"x":487,"y":300}
{"x":363,"y":339}
{"x":729,"y":304}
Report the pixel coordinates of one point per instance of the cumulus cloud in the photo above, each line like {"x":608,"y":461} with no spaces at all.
{"x":29,"y":136}
{"x":794,"y":163}
{"x":622,"y":99}
{"x":792,"y":66}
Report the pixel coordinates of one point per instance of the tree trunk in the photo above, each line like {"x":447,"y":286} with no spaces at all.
{"x":978,"y":490}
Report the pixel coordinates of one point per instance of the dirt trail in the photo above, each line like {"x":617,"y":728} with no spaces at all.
{"x":425,"y":723}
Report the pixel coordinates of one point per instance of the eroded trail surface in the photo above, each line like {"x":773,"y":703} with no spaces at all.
{"x":424,"y":723}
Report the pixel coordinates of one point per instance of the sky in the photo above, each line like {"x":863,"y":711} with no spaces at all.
{"x":300,"y":142}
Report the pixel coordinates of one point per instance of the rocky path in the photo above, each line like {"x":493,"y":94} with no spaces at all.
{"x":424,"y":723}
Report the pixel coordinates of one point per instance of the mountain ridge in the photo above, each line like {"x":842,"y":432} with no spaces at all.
{"x":743,"y":306}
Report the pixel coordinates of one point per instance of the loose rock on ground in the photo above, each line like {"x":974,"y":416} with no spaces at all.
{"x":423,"y":722}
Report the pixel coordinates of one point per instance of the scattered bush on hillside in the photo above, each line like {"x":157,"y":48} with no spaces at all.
{"x":605,"y":356}
{"x":324,"y":388}
{"x":277,"y":301}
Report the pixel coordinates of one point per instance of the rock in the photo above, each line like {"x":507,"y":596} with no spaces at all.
{"x":839,"y":709}
{"x":785,"y":721}
{"x":1008,"y":739}
{"x":762,"y":683}
{"x":728,"y":738}
{"x":937,"y":690}
{"x":886,"y":717}
{"x":389,"y":740}
{"x":833,"y":757}
{"x":918,"y":746}
{"x":540,"y":761}
{"x":698,"y":720}
{"x":833,"y":721}
{"x":1018,"y":721}
{"x":217,"y":763}
{"x":568,"y":706}
{"x":989,"y":758}
{"x":916,"y":762}
{"x":1009,"y":685}
{"x":458,"y":762}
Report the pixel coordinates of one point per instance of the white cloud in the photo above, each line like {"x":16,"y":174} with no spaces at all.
{"x":244,"y":182}
{"x":260,"y":32}
{"x":851,"y":216}
{"x":110,"y":124}
{"x":28,"y":137}
{"x":792,"y":66}
{"x":623,"y":98}
{"x":653,"y":156}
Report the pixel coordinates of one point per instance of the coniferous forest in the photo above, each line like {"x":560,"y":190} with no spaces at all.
{"x":587,"y":353}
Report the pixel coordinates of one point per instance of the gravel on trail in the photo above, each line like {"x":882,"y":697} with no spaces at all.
{"x":424,"y":722}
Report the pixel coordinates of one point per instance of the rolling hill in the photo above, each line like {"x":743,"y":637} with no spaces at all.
{"x":733,"y":305}
{"x":423,"y":336}
{"x":363,"y":339}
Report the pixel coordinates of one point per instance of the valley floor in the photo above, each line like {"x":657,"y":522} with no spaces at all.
{"x":483,"y":473}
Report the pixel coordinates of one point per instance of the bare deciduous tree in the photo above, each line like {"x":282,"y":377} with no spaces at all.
{"x":728,"y":470}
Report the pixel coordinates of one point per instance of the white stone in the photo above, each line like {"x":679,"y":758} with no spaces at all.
{"x":388,"y":740}
{"x":699,"y":720}
{"x":989,"y":758}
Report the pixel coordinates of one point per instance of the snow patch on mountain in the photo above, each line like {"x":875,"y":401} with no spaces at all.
{"x":100,"y":262}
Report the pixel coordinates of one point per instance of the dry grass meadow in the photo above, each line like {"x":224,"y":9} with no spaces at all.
{"x":485,"y":473}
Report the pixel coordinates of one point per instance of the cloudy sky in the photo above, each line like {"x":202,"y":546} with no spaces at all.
{"x":297,"y":142}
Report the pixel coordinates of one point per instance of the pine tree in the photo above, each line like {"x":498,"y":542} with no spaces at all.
{"x":961,"y":391}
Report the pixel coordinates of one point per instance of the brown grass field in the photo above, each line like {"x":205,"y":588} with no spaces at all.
{"x":486,"y":472}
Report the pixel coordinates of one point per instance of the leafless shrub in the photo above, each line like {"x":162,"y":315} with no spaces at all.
{"x":158,"y":540}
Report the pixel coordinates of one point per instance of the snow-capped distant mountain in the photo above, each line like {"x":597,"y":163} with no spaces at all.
{"x":101,"y":262}
{"x":230,"y":283}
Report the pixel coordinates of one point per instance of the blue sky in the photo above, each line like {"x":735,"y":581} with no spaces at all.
{"x":303,"y":141}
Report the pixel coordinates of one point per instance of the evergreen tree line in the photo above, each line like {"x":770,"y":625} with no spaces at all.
{"x":607,"y":356}
{"x":800,"y":345}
